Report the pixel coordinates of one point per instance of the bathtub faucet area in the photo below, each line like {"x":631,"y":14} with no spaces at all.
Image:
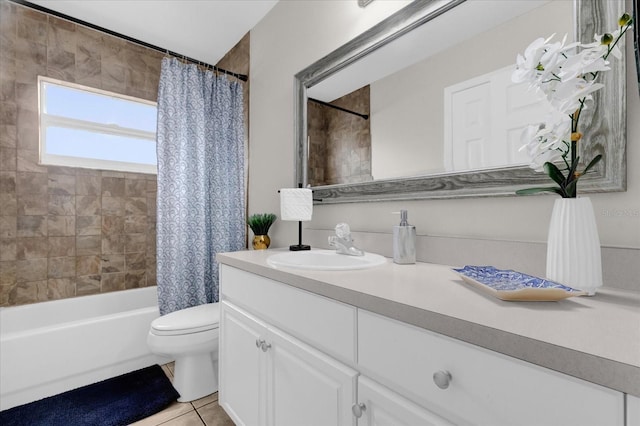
{"x":342,"y":241}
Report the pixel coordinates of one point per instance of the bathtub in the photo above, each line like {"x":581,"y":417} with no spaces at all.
{"x":51,"y":347}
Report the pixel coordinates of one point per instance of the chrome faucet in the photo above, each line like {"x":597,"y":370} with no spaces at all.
{"x":343,"y":242}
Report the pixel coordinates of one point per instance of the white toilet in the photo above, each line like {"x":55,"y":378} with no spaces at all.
{"x":190,"y":337}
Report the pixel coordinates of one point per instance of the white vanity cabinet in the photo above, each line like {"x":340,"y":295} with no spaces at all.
{"x":270,"y":378}
{"x":267,"y":376}
{"x":292,"y":357}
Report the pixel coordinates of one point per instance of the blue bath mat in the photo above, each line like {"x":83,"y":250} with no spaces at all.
{"x":117,"y":401}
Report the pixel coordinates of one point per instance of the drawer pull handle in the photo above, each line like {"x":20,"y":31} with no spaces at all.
{"x":442,"y":379}
{"x":358,"y":409}
{"x":265,"y":346}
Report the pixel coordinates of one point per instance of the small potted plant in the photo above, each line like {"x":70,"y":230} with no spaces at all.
{"x":260,"y":224}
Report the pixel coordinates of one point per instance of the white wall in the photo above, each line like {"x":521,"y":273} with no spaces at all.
{"x":295,"y":34}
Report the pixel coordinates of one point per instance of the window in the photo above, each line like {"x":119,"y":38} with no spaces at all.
{"x":85,"y":127}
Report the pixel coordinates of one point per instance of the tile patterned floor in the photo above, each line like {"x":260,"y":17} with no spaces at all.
{"x":204,"y":411}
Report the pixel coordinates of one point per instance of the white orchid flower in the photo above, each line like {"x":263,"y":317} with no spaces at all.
{"x":566,"y":74}
{"x":571,"y":94}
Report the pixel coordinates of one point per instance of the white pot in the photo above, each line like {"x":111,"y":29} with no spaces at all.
{"x":573,"y":246}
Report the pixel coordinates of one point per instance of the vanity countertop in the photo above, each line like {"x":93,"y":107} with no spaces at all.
{"x":593,"y":338}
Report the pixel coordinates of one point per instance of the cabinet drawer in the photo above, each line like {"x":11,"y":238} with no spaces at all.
{"x":324,"y":323}
{"x":486,"y":388}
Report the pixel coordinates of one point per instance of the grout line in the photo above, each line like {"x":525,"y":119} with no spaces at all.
{"x":201,"y":419}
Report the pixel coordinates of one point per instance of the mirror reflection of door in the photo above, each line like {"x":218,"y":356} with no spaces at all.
{"x":484,"y":118}
{"x":405,"y":135}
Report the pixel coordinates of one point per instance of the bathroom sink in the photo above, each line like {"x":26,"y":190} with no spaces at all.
{"x":324,"y":260}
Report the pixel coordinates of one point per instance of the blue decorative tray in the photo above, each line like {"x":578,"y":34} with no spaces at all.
{"x":512,"y":285}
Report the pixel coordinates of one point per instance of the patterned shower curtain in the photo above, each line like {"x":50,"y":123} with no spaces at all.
{"x":201,"y":196}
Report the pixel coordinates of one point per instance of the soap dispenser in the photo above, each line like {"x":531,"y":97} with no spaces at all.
{"x":404,"y":241}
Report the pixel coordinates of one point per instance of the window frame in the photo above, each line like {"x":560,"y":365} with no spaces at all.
{"x":46,"y":121}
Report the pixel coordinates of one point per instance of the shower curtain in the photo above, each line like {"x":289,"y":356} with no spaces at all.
{"x":201,"y":195}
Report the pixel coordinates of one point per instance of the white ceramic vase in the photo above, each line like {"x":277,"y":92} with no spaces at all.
{"x":573,"y":246}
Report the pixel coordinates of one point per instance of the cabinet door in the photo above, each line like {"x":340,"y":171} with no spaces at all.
{"x":382,"y":407}
{"x":305,"y":386}
{"x":242,"y":366}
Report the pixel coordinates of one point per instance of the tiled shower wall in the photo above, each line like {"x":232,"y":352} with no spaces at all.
{"x":64,"y":231}
{"x":339,"y":142}
{"x":67,"y":232}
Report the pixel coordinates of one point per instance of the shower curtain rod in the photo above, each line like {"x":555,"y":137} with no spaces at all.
{"x":327,"y":104}
{"x":241,"y":77}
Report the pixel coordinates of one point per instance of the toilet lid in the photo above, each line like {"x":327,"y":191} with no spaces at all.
{"x":190,"y":320}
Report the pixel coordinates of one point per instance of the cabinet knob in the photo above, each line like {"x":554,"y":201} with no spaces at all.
{"x":442,"y":379}
{"x":265,"y":346}
{"x":259,"y":343}
{"x":358,"y":409}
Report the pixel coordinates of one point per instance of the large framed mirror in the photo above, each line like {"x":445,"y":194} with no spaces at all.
{"x":444,"y":40}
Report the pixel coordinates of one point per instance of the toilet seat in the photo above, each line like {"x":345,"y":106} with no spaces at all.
{"x":186,"y":321}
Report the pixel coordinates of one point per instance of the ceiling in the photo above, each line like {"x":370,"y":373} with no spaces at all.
{"x":204,"y":30}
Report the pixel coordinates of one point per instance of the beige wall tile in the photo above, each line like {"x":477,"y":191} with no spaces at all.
{"x":32,"y":205}
{"x":113,"y":187}
{"x":112,"y":225}
{"x":88,"y":205}
{"x":135,"y":261}
{"x":62,"y":205}
{"x":31,"y":183}
{"x":8,"y":226}
{"x":31,"y":270}
{"x":135,"y":279}
{"x":88,"y":245}
{"x":8,"y":204}
{"x":8,"y":182}
{"x":32,"y":226}
{"x":8,"y":159}
{"x":89,"y":185}
{"x":113,"y":244}
{"x":61,"y":267}
{"x":112,"y":282}
{"x":61,"y":288}
{"x":8,"y":135}
{"x":31,"y":248}
{"x":62,"y":184}
{"x":8,"y":273}
{"x":27,"y":161}
{"x":29,"y":292}
{"x":88,"y":265}
{"x":135,"y":206}
{"x":112,"y":263}
{"x":61,"y":246}
{"x":135,"y":243}
{"x":135,"y":188}
{"x":87,"y":284}
{"x":27,"y":136}
{"x":61,"y":226}
{"x":8,"y":249}
{"x":88,"y":225}
{"x":135,"y":224}
{"x":112,"y":206}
